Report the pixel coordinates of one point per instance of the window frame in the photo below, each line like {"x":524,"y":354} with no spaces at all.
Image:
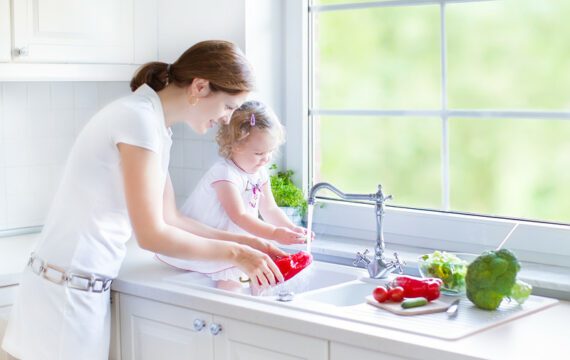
{"x":434,"y":229}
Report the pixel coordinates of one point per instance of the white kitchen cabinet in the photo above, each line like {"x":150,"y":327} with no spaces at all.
{"x":76,"y":39}
{"x":341,"y":351}
{"x":73,"y":31}
{"x":241,"y":340}
{"x":7,"y":295}
{"x":154,"y":330}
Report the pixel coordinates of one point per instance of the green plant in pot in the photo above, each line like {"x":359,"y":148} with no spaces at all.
{"x":287,"y":195}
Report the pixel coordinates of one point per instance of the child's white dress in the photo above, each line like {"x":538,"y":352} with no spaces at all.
{"x":204,"y":206}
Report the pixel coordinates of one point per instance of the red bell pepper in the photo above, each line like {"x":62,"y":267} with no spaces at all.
{"x":419,"y":287}
{"x":291,"y":265}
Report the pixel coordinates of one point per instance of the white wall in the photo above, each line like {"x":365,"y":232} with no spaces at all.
{"x":38,"y":124}
{"x":182,"y":23}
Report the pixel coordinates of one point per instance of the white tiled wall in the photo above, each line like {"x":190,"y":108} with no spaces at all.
{"x":191,"y":156}
{"x":38,"y":125}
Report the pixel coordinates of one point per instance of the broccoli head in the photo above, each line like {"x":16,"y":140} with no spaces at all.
{"x":490,"y":278}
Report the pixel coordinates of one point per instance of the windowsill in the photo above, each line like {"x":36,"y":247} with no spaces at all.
{"x":547,"y":280}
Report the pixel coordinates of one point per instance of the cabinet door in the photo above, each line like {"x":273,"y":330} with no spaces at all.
{"x":75,"y":31}
{"x":115,"y":345}
{"x":239,"y":340}
{"x":342,"y":352}
{"x":7,"y":295}
{"x":152,"y":330}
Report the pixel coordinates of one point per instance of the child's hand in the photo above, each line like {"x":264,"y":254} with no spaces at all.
{"x":287,"y":236}
{"x":302,"y":230}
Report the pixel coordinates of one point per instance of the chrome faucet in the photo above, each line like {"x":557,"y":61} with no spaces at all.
{"x":379,"y":266}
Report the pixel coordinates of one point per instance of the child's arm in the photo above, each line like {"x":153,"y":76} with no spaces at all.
{"x":274,"y":215}
{"x":174,"y":217}
{"x":270,"y":211}
{"x":231,"y":201}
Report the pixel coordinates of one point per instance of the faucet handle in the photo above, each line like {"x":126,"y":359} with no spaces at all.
{"x":398,"y":263}
{"x":361,"y":258}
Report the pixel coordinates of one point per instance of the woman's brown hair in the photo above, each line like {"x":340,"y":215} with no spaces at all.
{"x":251,"y":115}
{"x":220,"y":62}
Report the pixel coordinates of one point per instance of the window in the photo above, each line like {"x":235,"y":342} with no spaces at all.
{"x":455,"y":106}
{"x":459,"y":108}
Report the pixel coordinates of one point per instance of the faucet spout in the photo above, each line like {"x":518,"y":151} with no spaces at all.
{"x":324,"y":185}
{"x":379,"y":266}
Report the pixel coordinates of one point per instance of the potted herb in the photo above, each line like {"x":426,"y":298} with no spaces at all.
{"x":287,"y":195}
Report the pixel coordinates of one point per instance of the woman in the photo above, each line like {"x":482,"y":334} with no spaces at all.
{"x":115,"y":184}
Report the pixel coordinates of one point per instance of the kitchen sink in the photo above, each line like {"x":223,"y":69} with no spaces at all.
{"x":346,"y":294}
{"x":318,"y":275}
{"x":340,"y":291}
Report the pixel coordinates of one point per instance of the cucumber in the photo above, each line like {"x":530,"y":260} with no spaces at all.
{"x":414,"y":302}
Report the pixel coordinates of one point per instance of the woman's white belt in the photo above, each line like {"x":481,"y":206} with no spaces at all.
{"x":59,"y":275}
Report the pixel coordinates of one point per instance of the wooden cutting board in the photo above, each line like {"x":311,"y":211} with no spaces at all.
{"x":396,"y":308}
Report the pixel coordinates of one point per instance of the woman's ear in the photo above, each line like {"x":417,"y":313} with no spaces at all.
{"x":199,"y":87}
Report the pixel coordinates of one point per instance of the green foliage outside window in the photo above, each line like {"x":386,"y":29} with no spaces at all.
{"x":500,"y":55}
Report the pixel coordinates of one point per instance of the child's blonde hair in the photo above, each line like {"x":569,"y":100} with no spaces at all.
{"x":241,"y":124}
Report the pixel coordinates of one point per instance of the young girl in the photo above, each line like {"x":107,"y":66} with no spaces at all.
{"x":236,"y":190}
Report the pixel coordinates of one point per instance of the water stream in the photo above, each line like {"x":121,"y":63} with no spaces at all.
{"x":309,"y":226}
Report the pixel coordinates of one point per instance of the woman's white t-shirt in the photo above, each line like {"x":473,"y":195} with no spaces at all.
{"x":86,"y":232}
{"x":203,"y":205}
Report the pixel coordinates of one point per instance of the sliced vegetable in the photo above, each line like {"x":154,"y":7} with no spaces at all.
{"x":414,"y":302}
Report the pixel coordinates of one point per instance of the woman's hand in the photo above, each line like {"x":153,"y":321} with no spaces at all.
{"x":287,"y":236}
{"x":259,"y":267}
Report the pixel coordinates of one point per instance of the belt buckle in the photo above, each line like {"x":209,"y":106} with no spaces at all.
{"x":105,"y":285}
{"x":88,"y":279}
{"x":47,"y":268}
{"x":95,"y":288}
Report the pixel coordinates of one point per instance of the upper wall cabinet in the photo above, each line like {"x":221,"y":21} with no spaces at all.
{"x":97,"y":40}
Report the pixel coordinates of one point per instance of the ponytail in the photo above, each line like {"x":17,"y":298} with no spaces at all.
{"x":154,"y":74}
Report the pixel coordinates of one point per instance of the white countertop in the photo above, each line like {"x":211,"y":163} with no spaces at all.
{"x":542,"y":334}
{"x":539,"y":335}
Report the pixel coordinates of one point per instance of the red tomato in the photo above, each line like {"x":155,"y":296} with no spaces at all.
{"x":380,"y":294}
{"x":396,"y":294}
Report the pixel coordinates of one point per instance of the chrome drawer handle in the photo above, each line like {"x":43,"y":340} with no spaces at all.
{"x":199,"y":324}
{"x":215,"y":329}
